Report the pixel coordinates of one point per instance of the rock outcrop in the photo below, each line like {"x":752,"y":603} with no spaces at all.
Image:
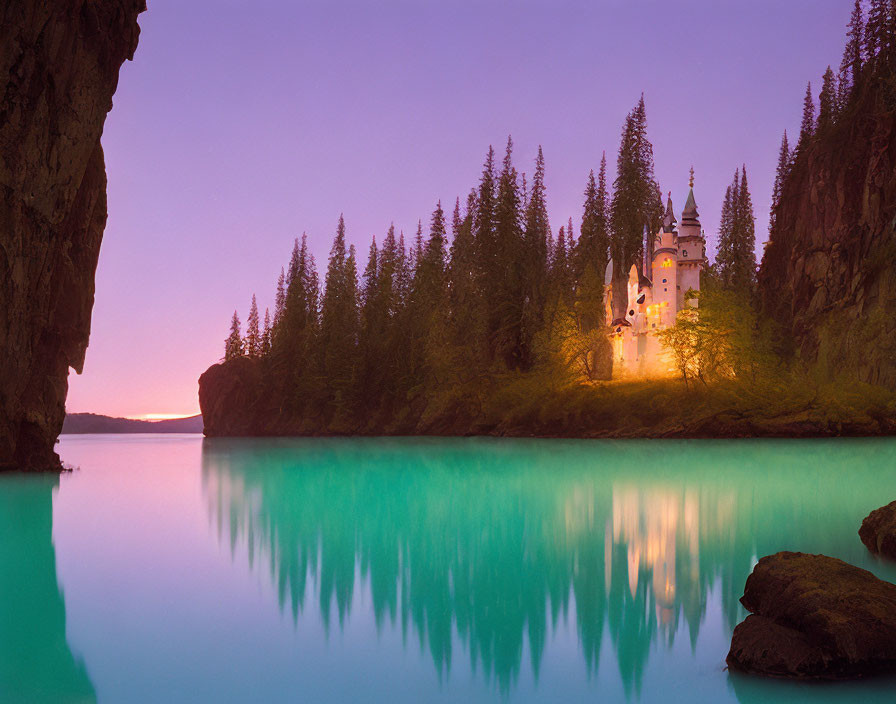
{"x":59,"y":64}
{"x":229,"y":398}
{"x":878,"y":531}
{"x":815,"y":617}
{"x":828,"y":274}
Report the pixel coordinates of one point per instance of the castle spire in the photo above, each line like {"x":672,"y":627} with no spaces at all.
{"x":690,"y":207}
{"x":669,"y":218}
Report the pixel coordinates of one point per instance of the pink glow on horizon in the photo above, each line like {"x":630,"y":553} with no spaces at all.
{"x":240,"y":125}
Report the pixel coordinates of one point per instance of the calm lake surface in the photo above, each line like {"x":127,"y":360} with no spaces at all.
{"x":177,"y":569}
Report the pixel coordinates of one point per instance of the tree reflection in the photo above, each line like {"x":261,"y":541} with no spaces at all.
{"x":36,"y":664}
{"x":492,"y":543}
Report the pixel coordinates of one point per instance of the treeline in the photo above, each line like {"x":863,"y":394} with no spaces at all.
{"x":744,"y":331}
{"x":487,"y":321}
{"x":482,"y":293}
{"x":869,"y":57}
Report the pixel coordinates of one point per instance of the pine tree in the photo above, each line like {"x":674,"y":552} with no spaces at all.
{"x":736,"y":256}
{"x":295,"y":335}
{"x":434,"y":256}
{"x":594,"y":239}
{"x":369,"y":278}
{"x":484,"y":222}
{"x":851,"y":65}
{"x":807,"y":127}
{"x":746,"y":275}
{"x":725,"y":252}
{"x":253,"y":335}
{"x":878,"y":30}
{"x":426,"y":307}
{"x":465,"y":305}
{"x":634,"y":206}
{"x":509,"y":322}
{"x":533,"y":264}
{"x":827,"y":101}
{"x":280,"y":299}
{"x":371,"y":322}
{"x":592,"y":252}
{"x":561,"y":274}
{"x":233,"y":345}
{"x":403,"y":272}
{"x":417,"y":252}
{"x":266,"y":334}
{"x":339,"y":326}
{"x":783,"y":169}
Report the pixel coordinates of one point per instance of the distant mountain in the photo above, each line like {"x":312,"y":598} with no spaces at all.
{"x":81,"y":423}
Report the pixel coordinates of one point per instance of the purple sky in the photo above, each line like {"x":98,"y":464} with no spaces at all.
{"x":242,"y":123}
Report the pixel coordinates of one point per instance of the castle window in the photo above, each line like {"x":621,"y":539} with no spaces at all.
{"x":664,"y":281}
{"x":684,"y":252}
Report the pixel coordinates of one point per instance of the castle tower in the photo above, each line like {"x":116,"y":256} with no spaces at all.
{"x":691,"y":248}
{"x":664,"y":271}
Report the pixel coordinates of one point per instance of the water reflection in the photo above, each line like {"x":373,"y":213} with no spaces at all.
{"x":36,"y":663}
{"x":490,"y":544}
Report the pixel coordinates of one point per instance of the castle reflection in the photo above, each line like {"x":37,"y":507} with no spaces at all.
{"x":491,"y":544}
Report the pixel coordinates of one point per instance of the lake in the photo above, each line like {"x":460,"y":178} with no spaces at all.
{"x":178,"y":569}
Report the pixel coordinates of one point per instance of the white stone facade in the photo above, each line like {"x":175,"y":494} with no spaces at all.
{"x":678,"y":258}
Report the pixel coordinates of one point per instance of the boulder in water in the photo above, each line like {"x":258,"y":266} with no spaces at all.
{"x":815,"y":617}
{"x":878,"y":531}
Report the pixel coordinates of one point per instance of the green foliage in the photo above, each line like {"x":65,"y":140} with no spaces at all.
{"x":253,"y":342}
{"x":503,"y":331}
{"x":736,"y":257}
{"x":233,"y":345}
{"x":635,"y":204}
{"x":720,"y":340}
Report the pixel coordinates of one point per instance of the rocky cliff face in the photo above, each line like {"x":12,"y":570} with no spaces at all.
{"x":59,"y":64}
{"x":829,"y":273}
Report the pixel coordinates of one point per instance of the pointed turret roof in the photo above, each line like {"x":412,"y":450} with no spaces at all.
{"x":690,"y":207}
{"x":669,"y":218}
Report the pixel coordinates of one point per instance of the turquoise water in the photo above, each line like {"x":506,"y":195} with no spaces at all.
{"x":177,"y":569}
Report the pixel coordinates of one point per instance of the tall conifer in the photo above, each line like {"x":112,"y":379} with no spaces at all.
{"x":633,"y":208}
{"x":253,"y":333}
{"x":878,"y":29}
{"x":736,"y":256}
{"x":807,"y":126}
{"x":781,"y":172}
{"x":233,"y":345}
{"x":280,"y":298}
{"x":507,"y":314}
{"x":851,"y":65}
{"x":266,"y":334}
{"x":827,"y":101}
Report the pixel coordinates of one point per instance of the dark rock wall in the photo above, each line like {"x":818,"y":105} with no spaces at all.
{"x":59,"y":63}
{"x":829,"y":273}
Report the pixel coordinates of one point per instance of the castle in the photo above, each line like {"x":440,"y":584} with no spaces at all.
{"x":673,"y":259}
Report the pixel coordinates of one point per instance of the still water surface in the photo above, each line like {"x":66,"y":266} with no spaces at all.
{"x":177,"y":569}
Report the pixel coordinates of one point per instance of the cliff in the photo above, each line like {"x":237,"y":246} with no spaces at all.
{"x":828,"y":275}
{"x":59,"y":64}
